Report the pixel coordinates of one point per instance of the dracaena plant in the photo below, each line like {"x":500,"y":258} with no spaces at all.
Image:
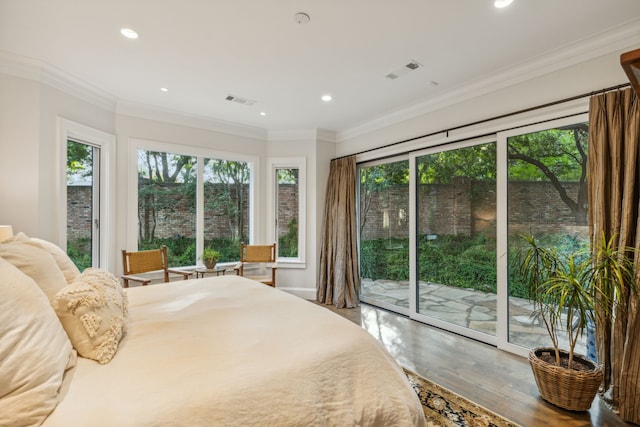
{"x":569,"y":290}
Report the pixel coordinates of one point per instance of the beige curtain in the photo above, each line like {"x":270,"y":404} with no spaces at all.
{"x":339,"y":275}
{"x":614,"y":198}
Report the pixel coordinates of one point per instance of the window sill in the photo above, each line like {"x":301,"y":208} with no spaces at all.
{"x":291,"y":263}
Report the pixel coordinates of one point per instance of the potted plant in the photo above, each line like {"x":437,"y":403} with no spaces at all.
{"x":210,"y":258}
{"x":564,"y":289}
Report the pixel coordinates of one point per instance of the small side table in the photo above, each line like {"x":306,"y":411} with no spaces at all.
{"x":201,"y":271}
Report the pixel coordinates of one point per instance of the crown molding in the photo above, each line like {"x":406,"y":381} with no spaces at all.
{"x":165,"y":115}
{"x":323,"y":135}
{"x":618,"y":39}
{"x":38,"y":71}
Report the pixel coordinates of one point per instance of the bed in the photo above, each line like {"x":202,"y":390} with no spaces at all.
{"x":222,"y":351}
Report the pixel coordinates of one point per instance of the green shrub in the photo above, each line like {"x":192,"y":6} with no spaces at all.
{"x":79,"y":250}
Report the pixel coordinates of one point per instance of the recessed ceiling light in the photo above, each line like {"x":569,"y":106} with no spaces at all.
{"x":164,"y":89}
{"x":327,"y":98}
{"x":129,"y":33}
{"x":502,"y":3}
{"x":262,"y":113}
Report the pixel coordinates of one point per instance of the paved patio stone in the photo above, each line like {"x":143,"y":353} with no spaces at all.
{"x":465,"y":307}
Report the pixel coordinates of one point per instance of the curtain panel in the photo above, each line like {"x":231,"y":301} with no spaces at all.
{"x":614,"y":198}
{"x":339,"y":272}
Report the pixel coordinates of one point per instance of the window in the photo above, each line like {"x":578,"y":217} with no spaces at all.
{"x":83,"y":204}
{"x":87,"y":205}
{"x":226,"y":196}
{"x":287,"y":178}
{"x":189,"y":200}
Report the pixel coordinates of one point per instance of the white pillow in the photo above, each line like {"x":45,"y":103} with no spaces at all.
{"x":65,"y":263}
{"x":34,"y":350}
{"x":35,"y":263}
{"x":93,"y":311}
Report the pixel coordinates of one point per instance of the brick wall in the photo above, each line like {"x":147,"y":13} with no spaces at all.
{"x":466,"y":207}
{"x":463,"y":207}
{"x":179,"y":218}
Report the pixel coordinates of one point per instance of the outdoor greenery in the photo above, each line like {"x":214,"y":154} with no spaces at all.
{"x":288,"y":243}
{"x":79,"y":250}
{"x":456,"y":261}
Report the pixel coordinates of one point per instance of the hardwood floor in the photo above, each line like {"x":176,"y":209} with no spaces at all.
{"x":495,"y":379}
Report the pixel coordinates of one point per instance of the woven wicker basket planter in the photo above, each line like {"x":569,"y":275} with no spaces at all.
{"x":566,"y":388}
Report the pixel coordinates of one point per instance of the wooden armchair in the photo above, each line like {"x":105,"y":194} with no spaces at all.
{"x":147,"y":261}
{"x":258,"y":254}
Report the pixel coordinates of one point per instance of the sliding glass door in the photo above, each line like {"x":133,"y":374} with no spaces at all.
{"x":456,"y":237}
{"x":547,"y":197}
{"x":384,"y":234}
{"x":440,"y":229}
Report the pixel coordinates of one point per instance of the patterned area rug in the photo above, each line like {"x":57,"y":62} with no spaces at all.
{"x":446,"y":408}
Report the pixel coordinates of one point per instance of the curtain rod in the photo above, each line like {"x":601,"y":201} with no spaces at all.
{"x":501,"y":116}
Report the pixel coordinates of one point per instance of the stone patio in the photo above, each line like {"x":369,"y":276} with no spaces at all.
{"x":468,"y":308}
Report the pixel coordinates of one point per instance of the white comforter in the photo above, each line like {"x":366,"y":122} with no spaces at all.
{"x":227,"y":351}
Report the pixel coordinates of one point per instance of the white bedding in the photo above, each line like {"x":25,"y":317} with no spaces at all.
{"x":227,"y":351}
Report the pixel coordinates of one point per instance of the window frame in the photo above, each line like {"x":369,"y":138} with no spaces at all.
{"x":136,"y":144}
{"x":106,"y":142}
{"x":300,"y":163}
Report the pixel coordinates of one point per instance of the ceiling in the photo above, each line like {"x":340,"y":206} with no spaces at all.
{"x":204,"y":50}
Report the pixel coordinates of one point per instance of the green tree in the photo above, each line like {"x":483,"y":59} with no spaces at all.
{"x":158,"y":173}
{"x":477,"y":163}
{"x":79,"y":161}
{"x":235,"y":176}
{"x":376,"y":179}
{"x":555,"y":155}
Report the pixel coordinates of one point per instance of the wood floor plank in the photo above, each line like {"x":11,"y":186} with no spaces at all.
{"x":499,"y":381}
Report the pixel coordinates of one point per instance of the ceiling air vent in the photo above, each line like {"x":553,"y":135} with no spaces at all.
{"x":413,"y":65}
{"x":240,"y":100}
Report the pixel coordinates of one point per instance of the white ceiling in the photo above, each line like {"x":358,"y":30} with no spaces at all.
{"x":204,"y":50}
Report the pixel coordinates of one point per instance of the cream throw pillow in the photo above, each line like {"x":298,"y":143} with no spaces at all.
{"x":93,"y":311}
{"x":35,"y":263}
{"x":34,"y":351}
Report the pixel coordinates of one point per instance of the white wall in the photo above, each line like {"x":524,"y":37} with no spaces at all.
{"x":19,"y":153}
{"x":604,"y":71}
{"x":318,"y":152}
{"x":29,"y":151}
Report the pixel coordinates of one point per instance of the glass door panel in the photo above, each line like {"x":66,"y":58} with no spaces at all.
{"x":384,"y":234}
{"x":547,"y":197}
{"x":456,"y":237}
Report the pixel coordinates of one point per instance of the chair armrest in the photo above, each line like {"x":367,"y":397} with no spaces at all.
{"x":144,"y":280}
{"x":185,"y":274}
